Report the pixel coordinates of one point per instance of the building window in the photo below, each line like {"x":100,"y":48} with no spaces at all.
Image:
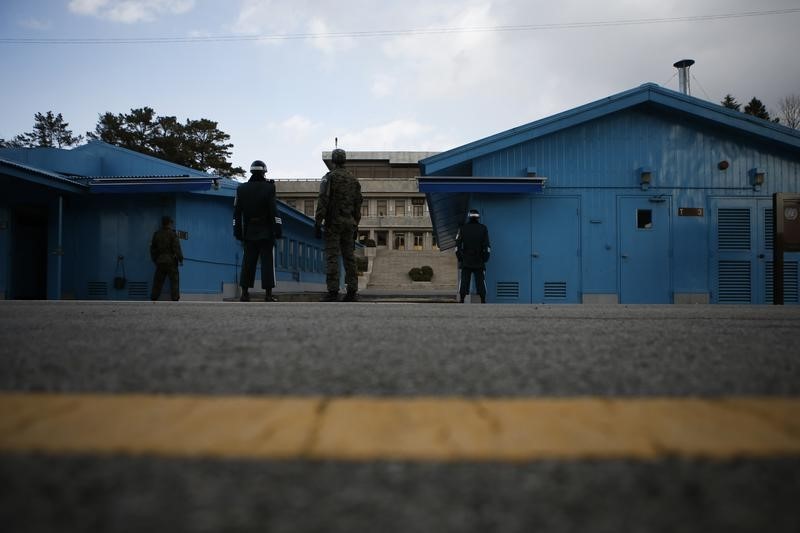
{"x":382,"y":208}
{"x":308,"y":207}
{"x":399,"y":241}
{"x":365,"y":209}
{"x":644,"y":218}
{"x":381,"y":237}
{"x":400,"y":208}
{"x":433,"y":241}
{"x":418,"y":206}
{"x":419,"y":240}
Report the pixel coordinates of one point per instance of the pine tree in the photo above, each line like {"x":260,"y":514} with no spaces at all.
{"x":756,"y":108}
{"x":49,"y":131}
{"x":730,"y":102}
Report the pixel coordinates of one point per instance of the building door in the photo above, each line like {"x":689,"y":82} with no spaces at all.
{"x":741,"y":251}
{"x":645,"y":273}
{"x":29,"y":254}
{"x":555,"y":251}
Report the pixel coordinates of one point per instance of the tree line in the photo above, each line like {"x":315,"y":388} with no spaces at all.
{"x":197,"y":144}
{"x":789,"y":109}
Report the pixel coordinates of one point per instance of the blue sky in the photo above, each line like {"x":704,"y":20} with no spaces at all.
{"x":283,"y":99}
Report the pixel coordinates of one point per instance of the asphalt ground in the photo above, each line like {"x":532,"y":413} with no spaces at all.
{"x":392,"y":350}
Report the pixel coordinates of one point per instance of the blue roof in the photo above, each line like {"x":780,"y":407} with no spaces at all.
{"x":447,"y":162}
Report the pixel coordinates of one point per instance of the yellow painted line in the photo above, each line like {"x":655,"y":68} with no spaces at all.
{"x":416,"y":429}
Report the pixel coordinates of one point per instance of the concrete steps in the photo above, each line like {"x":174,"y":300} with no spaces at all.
{"x":390,"y":270}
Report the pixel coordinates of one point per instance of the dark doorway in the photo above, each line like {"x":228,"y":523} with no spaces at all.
{"x":29,"y":254}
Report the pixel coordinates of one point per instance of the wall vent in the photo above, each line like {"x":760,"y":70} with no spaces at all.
{"x":733,"y":229}
{"x":555,"y":289}
{"x":138,"y":290}
{"x":790,"y":282}
{"x":507,"y":289}
{"x":734,"y":282}
{"x":97,"y":290}
{"x":768,"y":229}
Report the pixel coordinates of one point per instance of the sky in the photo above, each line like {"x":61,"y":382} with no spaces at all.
{"x":284,"y":78}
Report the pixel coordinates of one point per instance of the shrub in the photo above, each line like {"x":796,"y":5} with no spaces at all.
{"x":421,"y":274}
{"x":369,"y":243}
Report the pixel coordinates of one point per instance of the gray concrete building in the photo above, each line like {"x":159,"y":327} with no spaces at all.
{"x":394,"y":215}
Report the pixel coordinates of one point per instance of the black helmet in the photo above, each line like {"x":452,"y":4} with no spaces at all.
{"x":338,"y":156}
{"x":258,"y":166}
{"x":474,"y":214}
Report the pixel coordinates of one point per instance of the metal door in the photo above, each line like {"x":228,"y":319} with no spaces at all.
{"x":741,"y":251}
{"x":555,"y":251}
{"x":645,"y":261}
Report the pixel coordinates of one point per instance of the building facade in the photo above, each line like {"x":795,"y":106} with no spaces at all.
{"x":394,"y":213}
{"x":647,"y":196}
{"x":71,"y":221}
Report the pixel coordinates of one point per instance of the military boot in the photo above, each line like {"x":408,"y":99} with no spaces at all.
{"x":332,"y":296}
{"x":351,"y":296}
{"x":268,"y":297}
{"x":245,"y":297}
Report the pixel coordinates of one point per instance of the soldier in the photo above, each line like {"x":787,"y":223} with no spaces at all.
{"x":257,"y":224}
{"x":472,"y":252}
{"x":339,"y":208}
{"x":165,"y":251}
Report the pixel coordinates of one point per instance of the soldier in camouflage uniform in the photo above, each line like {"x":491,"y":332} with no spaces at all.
{"x":165,"y":251}
{"x":339,"y":209}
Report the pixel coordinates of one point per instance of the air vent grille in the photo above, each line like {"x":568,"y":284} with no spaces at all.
{"x":734,"y":282}
{"x":555,"y":289}
{"x":507,"y":289}
{"x":734,"y":229}
{"x":97,"y":290}
{"x":790,"y":282}
{"x":138,"y":290}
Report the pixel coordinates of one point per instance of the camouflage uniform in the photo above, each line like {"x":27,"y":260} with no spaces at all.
{"x":339,"y":206}
{"x":165,"y":251}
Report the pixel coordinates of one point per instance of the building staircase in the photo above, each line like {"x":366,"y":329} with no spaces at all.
{"x":390,"y":270}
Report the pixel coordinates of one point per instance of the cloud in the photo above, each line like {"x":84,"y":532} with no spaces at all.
{"x":398,"y":134}
{"x":296,"y":127}
{"x":383,"y":85}
{"x":130,"y":11}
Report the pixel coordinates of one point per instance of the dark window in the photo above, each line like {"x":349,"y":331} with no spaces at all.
{"x":381,"y":237}
{"x":382,"y":208}
{"x":644,"y":218}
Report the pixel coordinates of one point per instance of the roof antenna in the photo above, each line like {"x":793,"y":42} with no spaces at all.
{"x":336,"y":142}
{"x":683,"y":71}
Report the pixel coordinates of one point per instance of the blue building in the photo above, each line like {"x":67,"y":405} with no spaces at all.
{"x":73,"y":220}
{"x":647,"y":196}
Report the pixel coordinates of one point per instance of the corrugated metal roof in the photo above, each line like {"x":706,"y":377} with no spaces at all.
{"x":444,"y":162}
{"x":58,"y":178}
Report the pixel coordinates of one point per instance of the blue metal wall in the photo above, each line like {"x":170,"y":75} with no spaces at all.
{"x":598,"y":165}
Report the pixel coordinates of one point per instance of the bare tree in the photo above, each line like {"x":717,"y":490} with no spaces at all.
{"x":790,"y":111}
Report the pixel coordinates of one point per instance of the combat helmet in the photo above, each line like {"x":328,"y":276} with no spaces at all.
{"x":258,"y":166}
{"x":338,"y":156}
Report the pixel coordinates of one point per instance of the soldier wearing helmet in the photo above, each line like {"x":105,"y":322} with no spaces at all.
{"x":473,"y":251}
{"x":256,"y":223}
{"x":339,"y":210}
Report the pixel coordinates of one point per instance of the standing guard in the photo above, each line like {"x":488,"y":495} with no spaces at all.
{"x":166,"y":253}
{"x":257,"y":224}
{"x":473,"y":251}
{"x":339,"y":209}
